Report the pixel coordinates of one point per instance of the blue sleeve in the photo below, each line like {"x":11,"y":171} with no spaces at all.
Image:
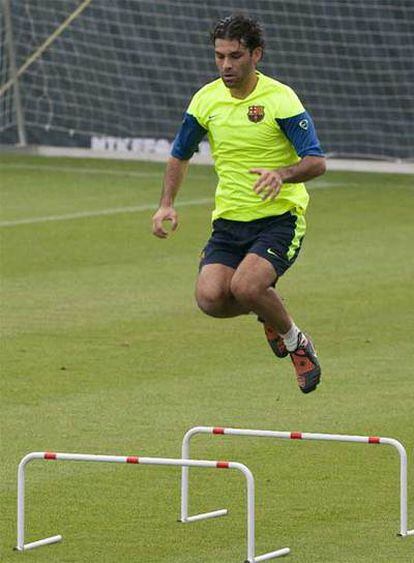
{"x":301,"y":132}
{"x":188,"y":138}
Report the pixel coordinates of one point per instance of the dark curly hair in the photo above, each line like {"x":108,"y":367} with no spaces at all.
{"x":240,"y":28}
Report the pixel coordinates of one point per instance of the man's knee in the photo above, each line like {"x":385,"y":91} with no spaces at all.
{"x":211,"y":301}
{"x":246,"y":291}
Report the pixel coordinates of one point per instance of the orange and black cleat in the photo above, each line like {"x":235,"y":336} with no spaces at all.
{"x":305,"y":361}
{"x":275,"y":341}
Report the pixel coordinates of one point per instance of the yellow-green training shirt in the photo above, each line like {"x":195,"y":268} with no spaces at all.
{"x":268,"y":129}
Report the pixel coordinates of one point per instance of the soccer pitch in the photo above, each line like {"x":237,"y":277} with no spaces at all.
{"x":104,"y":351}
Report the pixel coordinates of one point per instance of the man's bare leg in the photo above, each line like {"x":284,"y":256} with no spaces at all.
{"x":251,"y":285}
{"x":213,"y":293}
{"x":224,"y":292}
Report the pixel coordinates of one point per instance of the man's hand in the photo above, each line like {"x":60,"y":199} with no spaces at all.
{"x":164,"y":214}
{"x":269,"y":184}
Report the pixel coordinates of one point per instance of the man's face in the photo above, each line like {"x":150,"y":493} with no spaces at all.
{"x":235,"y":62}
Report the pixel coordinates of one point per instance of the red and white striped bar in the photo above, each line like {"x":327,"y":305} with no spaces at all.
{"x":185,"y":454}
{"x":51,"y":456}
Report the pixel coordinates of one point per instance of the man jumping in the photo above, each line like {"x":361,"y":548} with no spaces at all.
{"x":264,"y":147}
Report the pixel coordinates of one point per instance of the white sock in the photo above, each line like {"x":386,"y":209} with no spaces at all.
{"x":291,"y":338}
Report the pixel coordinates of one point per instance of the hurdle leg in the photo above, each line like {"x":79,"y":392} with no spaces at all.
{"x":21,"y":546}
{"x":185,"y":518}
{"x":251,"y":558}
{"x":404,"y":532}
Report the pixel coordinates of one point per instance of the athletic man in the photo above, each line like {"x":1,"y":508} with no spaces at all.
{"x":264,"y":146}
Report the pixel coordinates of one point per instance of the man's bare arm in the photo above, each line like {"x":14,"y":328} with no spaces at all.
{"x":306,"y":169}
{"x":271,"y":181}
{"x":175,"y":173}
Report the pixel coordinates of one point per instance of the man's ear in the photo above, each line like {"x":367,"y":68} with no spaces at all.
{"x":257,"y":54}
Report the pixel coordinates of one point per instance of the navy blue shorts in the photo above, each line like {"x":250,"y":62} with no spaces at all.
{"x":277,"y":239}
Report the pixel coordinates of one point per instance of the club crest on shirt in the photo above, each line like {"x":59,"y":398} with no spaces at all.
{"x":256,"y":113}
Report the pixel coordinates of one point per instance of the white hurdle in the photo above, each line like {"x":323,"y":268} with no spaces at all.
{"x":185,"y":454}
{"x":21,"y":546}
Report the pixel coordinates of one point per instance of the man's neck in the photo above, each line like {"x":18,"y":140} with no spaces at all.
{"x":246,"y":89}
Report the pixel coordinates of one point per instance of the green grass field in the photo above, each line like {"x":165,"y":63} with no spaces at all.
{"x":104,"y":351}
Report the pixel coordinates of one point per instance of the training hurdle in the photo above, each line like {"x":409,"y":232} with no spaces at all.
{"x":21,"y":546}
{"x":185,"y":454}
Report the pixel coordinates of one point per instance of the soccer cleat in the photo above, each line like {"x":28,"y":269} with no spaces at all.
{"x":275,"y":341}
{"x":305,"y":361}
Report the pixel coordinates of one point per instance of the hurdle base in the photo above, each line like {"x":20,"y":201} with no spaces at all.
{"x":39,"y":543}
{"x":270,"y":555}
{"x":407,"y":533}
{"x":204,"y":516}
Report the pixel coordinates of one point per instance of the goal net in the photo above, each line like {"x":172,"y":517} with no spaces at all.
{"x":127,"y":68}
